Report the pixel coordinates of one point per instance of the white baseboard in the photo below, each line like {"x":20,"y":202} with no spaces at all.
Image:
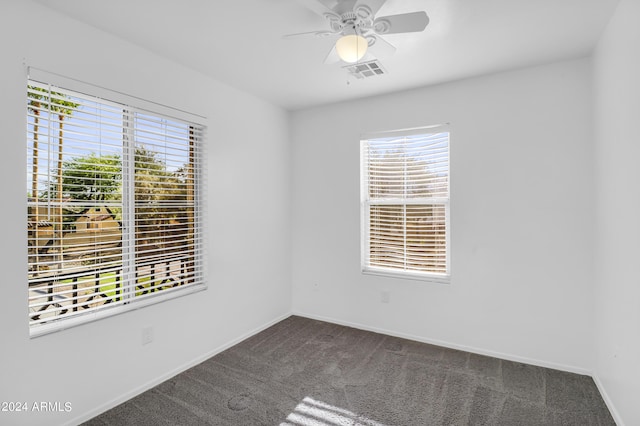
{"x":479,"y":351}
{"x":137,"y":391}
{"x":607,"y":400}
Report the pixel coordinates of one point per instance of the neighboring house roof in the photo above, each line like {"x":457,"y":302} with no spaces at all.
{"x":38,"y":224}
{"x":102,"y":216}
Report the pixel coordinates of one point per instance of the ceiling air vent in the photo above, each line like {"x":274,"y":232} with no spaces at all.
{"x":366,"y":69}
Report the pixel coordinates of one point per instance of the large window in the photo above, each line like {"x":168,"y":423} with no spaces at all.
{"x":405,"y":203}
{"x":114,"y":196}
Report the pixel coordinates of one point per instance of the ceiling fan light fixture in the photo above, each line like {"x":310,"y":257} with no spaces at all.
{"x":351,"y":48}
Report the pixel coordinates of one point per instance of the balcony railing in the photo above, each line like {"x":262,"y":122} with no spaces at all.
{"x":53,"y":295}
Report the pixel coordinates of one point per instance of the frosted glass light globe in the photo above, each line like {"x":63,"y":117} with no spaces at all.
{"x":351,"y":48}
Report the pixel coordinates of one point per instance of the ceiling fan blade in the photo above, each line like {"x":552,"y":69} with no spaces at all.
{"x":381,"y":48}
{"x":321,"y":34}
{"x":402,"y":23}
{"x":332,"y":57}
{"x":372,"y":5}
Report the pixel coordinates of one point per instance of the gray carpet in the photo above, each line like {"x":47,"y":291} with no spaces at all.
{"x":304,"y":372}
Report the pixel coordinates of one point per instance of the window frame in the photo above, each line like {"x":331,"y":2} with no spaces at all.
{"x":366,"y":202}
{"x":131,"y":106}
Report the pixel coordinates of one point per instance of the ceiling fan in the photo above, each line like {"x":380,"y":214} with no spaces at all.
{"x":357,"y":28}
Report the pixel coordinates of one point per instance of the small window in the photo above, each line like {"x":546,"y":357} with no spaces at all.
{"x":405,"y":204}
{"x":115,"y":207}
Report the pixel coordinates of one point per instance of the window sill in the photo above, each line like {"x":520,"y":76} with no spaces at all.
{"x":416,"y":276}
{"x":84,"y":318}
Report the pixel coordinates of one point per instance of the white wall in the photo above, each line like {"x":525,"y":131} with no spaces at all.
{"x":95,"y":365}
{"x":617,"y":295}
{"x":522,"y":219}
{"x":521,"y":213}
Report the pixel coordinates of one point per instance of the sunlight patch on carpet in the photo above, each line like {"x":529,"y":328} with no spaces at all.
{"x":311,"y":412}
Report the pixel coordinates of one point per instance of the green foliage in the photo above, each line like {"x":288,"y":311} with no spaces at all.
{"x":160,"y":196}
{"x":91,"y":177}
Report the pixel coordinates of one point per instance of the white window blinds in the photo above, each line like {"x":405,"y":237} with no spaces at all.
{"x":405,"y":203}
{"x":115,"y":207}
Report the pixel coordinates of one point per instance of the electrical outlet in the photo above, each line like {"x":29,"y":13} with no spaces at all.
{"x":384,"y":296}
{"x":316,"y":286}
{"x":147,"y":335}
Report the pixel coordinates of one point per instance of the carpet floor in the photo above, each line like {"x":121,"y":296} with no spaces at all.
{"x":303,"y":372}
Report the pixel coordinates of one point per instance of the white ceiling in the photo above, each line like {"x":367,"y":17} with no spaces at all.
{"x":240,"y":42}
